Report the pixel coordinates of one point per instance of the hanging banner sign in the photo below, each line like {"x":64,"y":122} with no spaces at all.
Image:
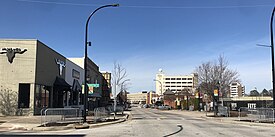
{"x":216,"y":92}
{"x":90,"y":88}
{"x":197,"y":95}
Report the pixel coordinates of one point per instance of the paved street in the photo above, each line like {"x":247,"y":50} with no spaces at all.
{"x":152,"y":122}
{"x":155,"y":123}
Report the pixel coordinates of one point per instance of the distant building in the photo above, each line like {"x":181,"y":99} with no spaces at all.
{"x":108,"y":78}
{"x":236,"y":90}
{"x":152,"y":97}
{"x":175,"y":83}
{"x":137,"y":98}
{"x":107,"y":83}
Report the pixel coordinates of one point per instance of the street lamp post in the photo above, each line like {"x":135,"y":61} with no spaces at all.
{"x":86,"y":58}
{"x":272,"y":54}
{"x":160,"y":86}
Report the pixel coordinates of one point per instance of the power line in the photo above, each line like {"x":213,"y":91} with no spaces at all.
{"x":150,"y":7}
{"x":57,"y":3}
{"x":193,"y":7}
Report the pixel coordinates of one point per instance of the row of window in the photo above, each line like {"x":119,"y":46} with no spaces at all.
{"x":179,"y":86}
{"x":178,"y":82}
{"x":178,"y":78}
{"x":176,"y":89}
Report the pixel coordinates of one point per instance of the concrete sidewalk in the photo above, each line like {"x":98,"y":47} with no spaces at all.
{"x":33,"y":123}
{"x":210,"y":116}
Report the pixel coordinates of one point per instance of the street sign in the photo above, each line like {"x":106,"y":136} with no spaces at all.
{"x":93,"y":85}
{"x":90,"y":88}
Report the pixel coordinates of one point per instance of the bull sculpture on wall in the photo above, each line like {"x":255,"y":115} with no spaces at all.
{"x":10,"y":52}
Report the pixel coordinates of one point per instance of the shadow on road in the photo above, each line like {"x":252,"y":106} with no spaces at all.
{"x":180,"y":126}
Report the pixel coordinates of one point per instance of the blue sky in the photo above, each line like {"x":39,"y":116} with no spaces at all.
{"x":144,"y":35}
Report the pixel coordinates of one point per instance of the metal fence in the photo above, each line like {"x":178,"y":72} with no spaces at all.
{"x":60,"y":115}
{"x":223,"y":111}
{"x":100,"y":114}
{"x":256,"y":114}
{"x":119,"y":108}
{"x":103,"y":113}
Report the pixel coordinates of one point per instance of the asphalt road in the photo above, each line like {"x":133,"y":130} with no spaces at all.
{"x":156,"y":123}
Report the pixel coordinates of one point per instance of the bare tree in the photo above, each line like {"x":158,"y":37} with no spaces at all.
{"x":8,"y":102}
{"x":216,"y":74}
{"x":119,"y":79}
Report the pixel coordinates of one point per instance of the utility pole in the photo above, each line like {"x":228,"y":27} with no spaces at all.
{"x":216,"y":98}
{"x":272,"y":54}
{"x":86,"y":44}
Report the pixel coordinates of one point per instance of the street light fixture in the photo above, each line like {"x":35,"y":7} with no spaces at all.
{"x":86,"y":58}
{"x":160,"y":86}
{"x":272,"y":53}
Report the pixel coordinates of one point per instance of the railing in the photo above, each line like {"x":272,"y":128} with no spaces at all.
{"x":223,"y":111}
{"x":100,"y":114}
{"x":119,"y":108}
{"x":60,"y":115}
{"x":103,"y":113}
{"x":256,"y":114}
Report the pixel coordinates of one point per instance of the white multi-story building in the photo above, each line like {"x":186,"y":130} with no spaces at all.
{"x":236,"y":89}
{"x":175,"y":83}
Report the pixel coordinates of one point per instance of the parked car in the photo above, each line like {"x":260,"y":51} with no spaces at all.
{"x":145,"y":106}
{"x":164,"y":107}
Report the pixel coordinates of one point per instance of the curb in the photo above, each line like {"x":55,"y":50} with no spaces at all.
{"x":73,"y":126}
{"x":239,"y":122}
{"x":108,"y":123}
{"x":225,"y":120}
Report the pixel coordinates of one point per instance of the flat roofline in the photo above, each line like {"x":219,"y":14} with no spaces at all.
{"x":11,"y":39}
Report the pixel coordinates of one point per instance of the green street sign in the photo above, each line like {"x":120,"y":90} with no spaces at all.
{"x":93,"y":85}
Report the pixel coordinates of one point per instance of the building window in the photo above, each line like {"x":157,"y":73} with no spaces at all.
{"x":189,"y":78}
{"x":173,"y":82}
{"x":167,"y":82}
{"x":167,"y":78}
{"x":178,"y":82}
{"x":24,"y":96}
{"x":234,"y":106}
{"x":189,"y":82}
{"x":75,"y":74}
{"x":173,"y":78}
{"x":178,"y":78}
{"x":41,"y":99}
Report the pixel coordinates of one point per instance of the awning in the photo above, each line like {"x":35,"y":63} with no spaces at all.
{"x":95,"y":95}
{"x":61,"y":84}
{"x":76,"y":86}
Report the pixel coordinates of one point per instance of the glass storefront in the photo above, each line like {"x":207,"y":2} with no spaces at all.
{"x":41,"y":98}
